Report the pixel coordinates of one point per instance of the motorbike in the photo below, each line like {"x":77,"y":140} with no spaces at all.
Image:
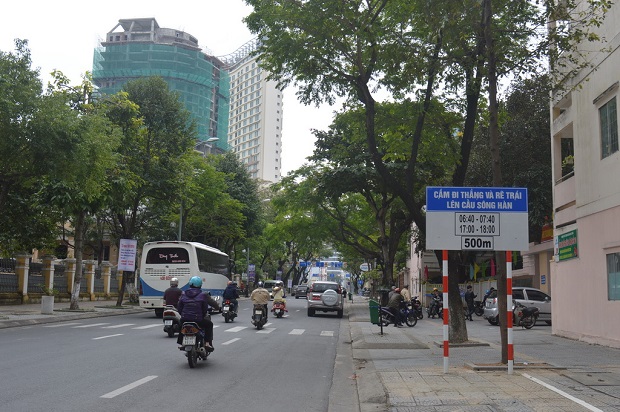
{"x":172,"y":320}
{"x":478,"y":308}
{"x":435,"y":308}
{"x":259,"y":316}
{"x":417,"y":306}
{"x":525,"y":316}
{"x":387,"y":317}
{"x":193,"y":343}
{"x":279,"y":308}
{"x":227,"y":311}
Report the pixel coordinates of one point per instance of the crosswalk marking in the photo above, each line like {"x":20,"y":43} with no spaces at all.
{"x":147,"y":326}
{"x":327,"y":333}
{"x":122,"y":325}
{"x":228,"y":342}
{"x":296,"y":331}
{"x":266,"y":330}
{"x":236,"y":329}
{"x":91,"y":325}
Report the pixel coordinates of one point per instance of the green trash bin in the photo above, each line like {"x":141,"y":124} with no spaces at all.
{"x":373,"y":305}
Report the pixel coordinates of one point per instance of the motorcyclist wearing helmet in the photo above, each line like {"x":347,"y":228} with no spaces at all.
{"x":260,"y":296}
{"x":193,"y":306}
{"x":231,"y":294}
{"x":278,"y":291}
{"x":173,"y":293}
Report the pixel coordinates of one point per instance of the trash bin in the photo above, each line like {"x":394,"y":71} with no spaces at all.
{"x":373,"y":305}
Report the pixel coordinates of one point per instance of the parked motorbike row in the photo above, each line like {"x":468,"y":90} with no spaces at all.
{"x":410,"y":312}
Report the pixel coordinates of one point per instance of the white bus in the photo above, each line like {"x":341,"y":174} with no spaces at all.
{"x":162,"y":261}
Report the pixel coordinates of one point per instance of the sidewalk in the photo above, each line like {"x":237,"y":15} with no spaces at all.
{"x":403,"y":369}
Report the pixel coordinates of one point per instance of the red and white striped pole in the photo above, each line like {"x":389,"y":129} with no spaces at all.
{"x":446,"y":339}
{"x":509,"y":320}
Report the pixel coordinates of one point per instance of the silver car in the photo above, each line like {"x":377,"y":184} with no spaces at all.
{"x":525,"y":295}
{"x":325,"y":297}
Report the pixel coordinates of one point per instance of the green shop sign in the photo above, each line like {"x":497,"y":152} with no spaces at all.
{"x":567,"y":245}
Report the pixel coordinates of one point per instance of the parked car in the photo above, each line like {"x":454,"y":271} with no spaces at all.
{"x":325,"y":297}
{"x":301,"y":291}
{"x":525,"y":295}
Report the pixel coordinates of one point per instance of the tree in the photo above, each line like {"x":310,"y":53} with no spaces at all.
{"x":158,"y":137}
{"x":79,"y":187}
{"x":32,"y":145}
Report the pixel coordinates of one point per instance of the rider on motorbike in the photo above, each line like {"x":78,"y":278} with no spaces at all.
{"x":231,"y":294}
{"x":435,"y":299}
{"x":173,"y":293}
{"x":394,"y":304}
{"x":193,"y":306}
{"x":260,"y":296}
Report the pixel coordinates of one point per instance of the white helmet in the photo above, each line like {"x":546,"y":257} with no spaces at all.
{"x":174,"y":282}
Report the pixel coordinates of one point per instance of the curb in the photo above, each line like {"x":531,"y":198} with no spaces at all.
{"x":63,"y":318}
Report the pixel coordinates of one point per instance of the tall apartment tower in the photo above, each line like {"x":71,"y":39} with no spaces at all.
{"x":137,"y":48}
{"x":255,"y":119}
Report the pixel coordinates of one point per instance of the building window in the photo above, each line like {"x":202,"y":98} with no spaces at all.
{"x":609,"y":128}
{"x":613,"y":276}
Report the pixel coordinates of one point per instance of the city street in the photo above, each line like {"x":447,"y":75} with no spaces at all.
{"x":127,"y":363}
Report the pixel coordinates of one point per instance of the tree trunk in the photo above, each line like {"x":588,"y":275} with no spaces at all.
{"x":79,"y":246}
{"x":458,"y":329}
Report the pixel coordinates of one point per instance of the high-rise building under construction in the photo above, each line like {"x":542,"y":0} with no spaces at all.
{"x":233,"y":103}
{"x":137,"y":48}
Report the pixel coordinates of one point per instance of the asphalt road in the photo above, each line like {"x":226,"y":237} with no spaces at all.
{"x":127,"y":363}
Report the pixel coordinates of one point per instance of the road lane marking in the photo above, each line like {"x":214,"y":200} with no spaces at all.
{"x":266,"y":330}
{"x":296,"y":331}
{"x":91,"y":325}
{"x":58,"y":325}
{"x":564,"y":394}
{"x":122,"y":325}
{"x":126,"y":388}
{"x":147,"y":326}
{"x":108,"y":336}
{"x":228,"y":342}
{"x":236,"y":329}
{"x":327,"y":333}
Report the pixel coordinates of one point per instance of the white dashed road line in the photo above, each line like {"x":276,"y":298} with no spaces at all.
{"x":148,"y":326}
{"x":236,"y":329}
{"x":266,"y":330}
{"x":228,"y":342}
{"x":108,"y":336}
{"x":126,"y":388}
{"x":122,"y":325}
{"x":58,"y":325}
{"x":327,"y":333}
{"x":296,"y":331}
{"x":91,"y":325}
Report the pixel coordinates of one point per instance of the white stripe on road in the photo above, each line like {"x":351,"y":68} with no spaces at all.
{"x":327,"y":333}
{"x":122,"y":325}
{"x":91,"y":325}
{"x":128,"y":387}
{"x":564,"y":394}
{"x":296,"y":331}
{"x":108,"y":336}
{"x":147,"y":326}
{"x":228,"y":342}
{"x":266,"y":330}
{"x":58,"y":325}
{"x":236,"y":329}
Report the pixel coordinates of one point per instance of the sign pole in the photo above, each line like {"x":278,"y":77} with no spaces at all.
{"x":446,"y":357}
{"x":509,"y":319}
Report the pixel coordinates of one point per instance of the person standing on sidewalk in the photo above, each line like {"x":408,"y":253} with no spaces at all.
{"x":406,"y":294}
{"x":469,"y":299}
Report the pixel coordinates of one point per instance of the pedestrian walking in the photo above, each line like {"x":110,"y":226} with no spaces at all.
{"x":469,"y":299}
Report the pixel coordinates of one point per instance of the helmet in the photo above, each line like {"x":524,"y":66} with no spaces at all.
{"x":435,"y":290}
{"x":174,"y":282}
{"x":260,"y":284}
{"x":195,"y":282}
{"x":279,"y":283}
{"x":397,"y":290}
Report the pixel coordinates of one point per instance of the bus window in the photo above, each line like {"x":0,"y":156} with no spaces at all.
{"x":163,"y":255}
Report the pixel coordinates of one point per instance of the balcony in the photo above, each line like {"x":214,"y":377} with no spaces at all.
{"x":564,"y":196}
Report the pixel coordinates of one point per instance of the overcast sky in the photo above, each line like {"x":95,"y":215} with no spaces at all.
{"x":62,"y":35}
